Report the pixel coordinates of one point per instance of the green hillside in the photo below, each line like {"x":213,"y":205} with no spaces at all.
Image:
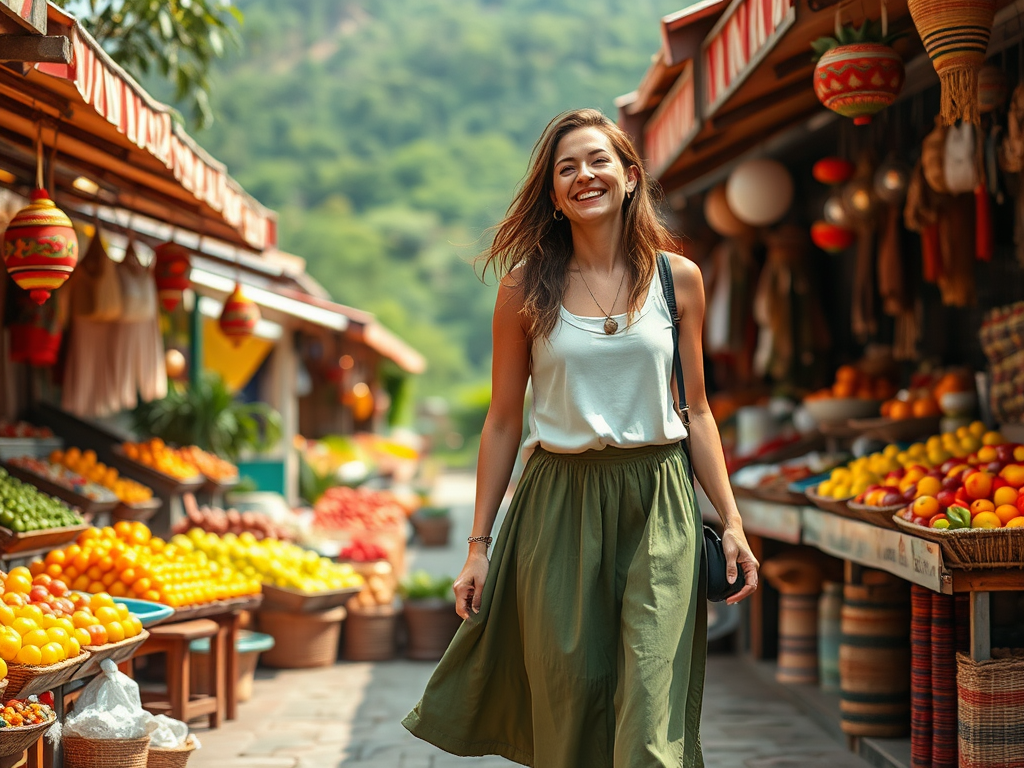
{"x":390,"y":134}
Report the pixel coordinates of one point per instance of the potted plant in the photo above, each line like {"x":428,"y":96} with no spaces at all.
{"x":430,"y":615}
{"x":432,"y":525}
{"x":858,"y":73}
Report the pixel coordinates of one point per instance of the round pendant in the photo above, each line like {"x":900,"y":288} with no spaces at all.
{"x":610,"y":326}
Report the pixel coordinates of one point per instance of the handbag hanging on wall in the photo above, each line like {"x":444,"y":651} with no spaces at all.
{"x":713,"y":556}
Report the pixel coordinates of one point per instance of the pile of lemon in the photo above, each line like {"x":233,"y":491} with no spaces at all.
{"x":855,"y":478}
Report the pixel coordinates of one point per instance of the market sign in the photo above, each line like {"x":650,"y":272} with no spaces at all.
{"x":745,"y":34}
{"x":31,"y":14}
{"x":673,"y":124}
{"x":909,"y":557}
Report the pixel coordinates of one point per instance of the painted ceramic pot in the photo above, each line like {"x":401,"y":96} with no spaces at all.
{"x":832,"y":237}
{"x":40,"y":247}
{"x":173,"y":268}
{"x":239,"y":316}
{"x":858,"y":80}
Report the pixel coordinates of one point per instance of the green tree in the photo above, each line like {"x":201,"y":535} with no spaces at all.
{"x":179,"y":38}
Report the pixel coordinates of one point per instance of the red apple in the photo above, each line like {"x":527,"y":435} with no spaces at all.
{"x":946,"y":497}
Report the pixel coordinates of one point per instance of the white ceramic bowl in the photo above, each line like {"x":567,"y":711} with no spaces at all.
{"x":958,"y":403}
{"x":839,"y":410}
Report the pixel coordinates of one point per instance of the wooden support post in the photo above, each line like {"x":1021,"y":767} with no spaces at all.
{"x":54,"y":49}
{"x":981,"y":626}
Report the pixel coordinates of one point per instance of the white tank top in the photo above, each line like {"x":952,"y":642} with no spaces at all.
{"x":591,"y":390}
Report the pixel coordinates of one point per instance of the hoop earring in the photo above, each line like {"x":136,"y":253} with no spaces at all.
{"x":558,"y":215}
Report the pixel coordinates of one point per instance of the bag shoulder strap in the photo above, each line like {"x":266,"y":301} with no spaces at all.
{"x":669,"y":291}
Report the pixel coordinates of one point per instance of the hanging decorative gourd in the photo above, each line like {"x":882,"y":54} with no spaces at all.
{"x":239,"y":317}
{"x":40,"y":247}
{"x":759,"y":192}
{"x":858,"y":73}
{"x":173,"y":268}
{"x":992,"y":88}
{"x":832,"y":237}
{"x":955,"y":34}
{"x":832,"y":170}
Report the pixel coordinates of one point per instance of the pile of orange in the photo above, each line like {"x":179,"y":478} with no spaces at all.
{"x":155,"y":454}
{"x":127,"y":561}
{"x":851,"y":382}
{"x":918,"y":407}
{"x":42,"y":623}
{"x":85,"y":464}
{"x":212,"y":466}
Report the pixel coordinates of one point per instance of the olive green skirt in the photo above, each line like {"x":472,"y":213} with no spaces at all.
{"x":590,"y":644}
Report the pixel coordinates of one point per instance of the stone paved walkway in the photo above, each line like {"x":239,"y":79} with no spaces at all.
{"x":349,"y":714}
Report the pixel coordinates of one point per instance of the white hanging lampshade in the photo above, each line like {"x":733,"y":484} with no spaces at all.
{"x":759,"y":192}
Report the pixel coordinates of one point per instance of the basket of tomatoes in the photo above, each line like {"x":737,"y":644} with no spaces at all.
{"x":21,"y":723}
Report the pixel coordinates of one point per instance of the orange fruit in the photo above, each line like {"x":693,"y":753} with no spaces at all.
{"x":1006,"y":513}
{"x":23,"y":626}
{"x":925,"y":406}
{"x":1017,"y":522}
{"x":925,"y":506}
{"x":36,"y":637}
{"x":986,"y":520}
{"x":7,"y":614}
{"x":51,"y":653}
{"x":900,"y":410}
{"x":886,"y":409}
{"x":1005,"y":495}
{"x":843,"y":389}
{"x":982,"y":505}
{"x":55,"y":557}
{"x":846,"y":373}
{"x":74,"y":648}
{"x":81,"y":635}
{"x":929,"y":486}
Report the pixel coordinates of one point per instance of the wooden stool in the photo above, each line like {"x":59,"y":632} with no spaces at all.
{"x":174,"y":640}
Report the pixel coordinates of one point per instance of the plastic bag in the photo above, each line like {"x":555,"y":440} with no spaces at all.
{"x":168,"y":733}
{"x":109,"y":708}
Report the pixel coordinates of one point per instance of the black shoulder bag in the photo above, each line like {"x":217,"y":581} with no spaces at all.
{"x":713,"y":557}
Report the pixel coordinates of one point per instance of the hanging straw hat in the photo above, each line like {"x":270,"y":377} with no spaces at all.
{"x":955,"y":33}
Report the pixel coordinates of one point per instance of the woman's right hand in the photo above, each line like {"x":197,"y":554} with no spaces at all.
{"x":469,"y":587}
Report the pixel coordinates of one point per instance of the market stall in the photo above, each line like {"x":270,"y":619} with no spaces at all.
{"x":848,"y":177}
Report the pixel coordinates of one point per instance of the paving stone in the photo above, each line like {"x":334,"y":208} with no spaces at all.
{"x":279,"y":742}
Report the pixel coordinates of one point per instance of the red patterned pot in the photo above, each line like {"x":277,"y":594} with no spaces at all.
{"x":239,"y":317}
{"x":858,"y":80}
{"x":832,"y":237}
{"x":40,"y":247}
{"x":173,"y":267}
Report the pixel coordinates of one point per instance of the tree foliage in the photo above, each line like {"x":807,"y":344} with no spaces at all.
{"x":179,"y":38}
{"x":391,"y":134}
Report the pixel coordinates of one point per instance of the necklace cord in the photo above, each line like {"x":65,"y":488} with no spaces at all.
{"x":608,"y":316}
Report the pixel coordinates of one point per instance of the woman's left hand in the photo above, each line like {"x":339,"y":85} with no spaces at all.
{"x":738,"y":554}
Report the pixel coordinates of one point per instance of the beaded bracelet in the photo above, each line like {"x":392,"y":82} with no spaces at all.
{"x":485,"y":539}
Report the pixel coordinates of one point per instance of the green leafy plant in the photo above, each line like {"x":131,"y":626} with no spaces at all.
{"x":178,"y":38}
{"x":208,"y":415}
{"x":868,"y":32}
{"x":420,"y":585}
{"x":427,"y":511}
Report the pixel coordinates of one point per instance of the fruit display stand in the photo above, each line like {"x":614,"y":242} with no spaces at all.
{"x":118,"y":652}
{"x":968,"y":562}
{"x":297,"y":601}
{"x":84,"y":504}
{"x":25,"y":680}
{"x":140,"y":511}
{"x":154,"y":478}
{"x":23,"y":545}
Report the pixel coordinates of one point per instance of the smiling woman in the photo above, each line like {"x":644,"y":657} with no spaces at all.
{"x":585,"y":643}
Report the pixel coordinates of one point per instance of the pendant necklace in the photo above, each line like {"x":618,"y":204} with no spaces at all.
{"x":610,"y":324}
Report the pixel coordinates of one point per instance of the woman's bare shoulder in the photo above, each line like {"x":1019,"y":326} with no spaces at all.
{"x":685,"y":273}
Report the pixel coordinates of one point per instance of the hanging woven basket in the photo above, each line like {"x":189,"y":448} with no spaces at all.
{"x":955,"y":33}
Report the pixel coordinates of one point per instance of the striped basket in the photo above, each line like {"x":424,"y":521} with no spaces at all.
{"x":920,"y":677}
{"x":944,"y":724}
{"x":991,"y":705}
{"x":955,"y":33}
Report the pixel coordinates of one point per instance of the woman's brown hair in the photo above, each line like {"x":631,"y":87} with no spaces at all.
{"x":530,"y":237}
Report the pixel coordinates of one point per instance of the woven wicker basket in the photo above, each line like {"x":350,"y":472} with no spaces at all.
{"x":116,"y":652}
{"x":880,"y":516}
{"x":24,"y":680}
{"x":370,"y":634}
{"x":990,"y":721}
{"x":432,"y":625}
{"x":302,"y":639}
{"x":973,"y":548}
{"x":827,"y":503}
{"x":14,"y":741}
{"x":80,"y":752}
{"x":175,"y":757}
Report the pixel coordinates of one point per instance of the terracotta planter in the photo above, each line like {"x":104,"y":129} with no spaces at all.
{"x":432,"y":625}
{"x":432,"y":530}
{"x":858,"y":80}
